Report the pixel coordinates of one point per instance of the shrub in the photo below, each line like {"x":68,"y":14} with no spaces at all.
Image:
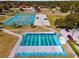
{"x":73,"y":45}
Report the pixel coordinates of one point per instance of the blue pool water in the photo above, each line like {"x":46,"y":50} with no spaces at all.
{"x":40,"y":40}
{"x":41,"y":54}
{"x":21,"y":19}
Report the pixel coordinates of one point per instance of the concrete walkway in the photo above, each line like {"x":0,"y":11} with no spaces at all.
{"x":10,"y":32}
{"x":14,"y":50}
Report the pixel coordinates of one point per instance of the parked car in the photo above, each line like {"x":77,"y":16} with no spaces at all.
{"x":67,"y":30}
{"x":70,"y":37}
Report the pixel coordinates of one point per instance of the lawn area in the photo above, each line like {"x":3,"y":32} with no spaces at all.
{"x":7,"y":42}
{"x":9,"y":15}
{"x":53,"y":17}
{"x":4,"y":18}
{"x":40,"y":29}
{"x":26,"y":28}
{"x":73,"y":45}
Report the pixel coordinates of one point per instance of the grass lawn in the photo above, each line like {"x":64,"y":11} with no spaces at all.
{"x":26,"y":28}
{"x":52,"y":18}
{"x":40,"y":29}
{"x":9,"y":15}
{"x":7,"y":42}
{"x":4,"y":18}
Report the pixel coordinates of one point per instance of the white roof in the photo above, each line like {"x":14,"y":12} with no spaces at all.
{"x":41,"y":20}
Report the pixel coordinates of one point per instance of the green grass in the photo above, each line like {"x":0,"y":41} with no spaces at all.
{"x":52,"y":18}
{"x":73,"y":45}
{"x":2,"y":18}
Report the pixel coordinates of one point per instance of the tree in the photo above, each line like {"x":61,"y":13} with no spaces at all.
{"x":70,"y":21}
{"x":5,"y":6}
{"x":76,"y":9}
{"x":64,"y":8}
{"x":1,"y":9}
{"x":60,"y":23}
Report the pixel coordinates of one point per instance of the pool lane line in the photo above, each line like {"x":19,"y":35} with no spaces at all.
{"x":35,"y":40}
{"x":47,"y":40}
{"x":39,"y":41}
{"x":43,"y":40}
{"x":51,"y":39}
{"x":27,"y":40}
{"x":22,"y":43}
{"x":31,"y":38}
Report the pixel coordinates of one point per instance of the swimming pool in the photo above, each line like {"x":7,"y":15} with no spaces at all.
{"x":40,"y":40}
{"x":40,"y":44}
{"x":21,"y":20}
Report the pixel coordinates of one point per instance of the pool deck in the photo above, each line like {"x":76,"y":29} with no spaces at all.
{"x":39,"y":49}
{"x":49,"y":32}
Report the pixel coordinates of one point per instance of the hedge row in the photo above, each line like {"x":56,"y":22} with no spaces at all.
{"x":73,"y":45}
